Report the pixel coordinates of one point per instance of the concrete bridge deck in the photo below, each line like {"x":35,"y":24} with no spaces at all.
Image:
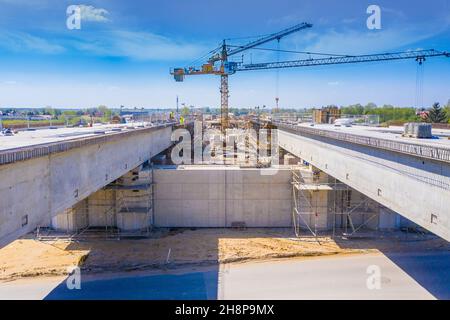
{"x":437,"y":148}
{"x":44,"y":172}
{"x":408,"y":176}
{"x":40,"y":142}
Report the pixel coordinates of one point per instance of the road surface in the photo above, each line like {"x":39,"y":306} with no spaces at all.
{"x":402,"y":276}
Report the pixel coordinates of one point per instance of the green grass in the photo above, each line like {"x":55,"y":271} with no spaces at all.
{"x":33,"y":123}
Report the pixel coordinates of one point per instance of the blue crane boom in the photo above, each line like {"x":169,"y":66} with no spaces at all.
{"x":268,"y":38}
{"x":419,"y":55}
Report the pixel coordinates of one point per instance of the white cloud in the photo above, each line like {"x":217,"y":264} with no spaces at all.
{"x":90,"y":13}
{"x":349,"y":20}
{"x":347,"y":41}
{"x":10,"y":82}
{"x":285,"y":20}
{"x":24,"y":42}
{"x":141,"y":46}
{"x":397,"y":13}
{"x":144,"y":46}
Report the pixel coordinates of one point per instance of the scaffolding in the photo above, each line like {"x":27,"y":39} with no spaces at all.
{"x":90,"y":218}
{"x":122,"y":209}
{"x":136,"y":212}
{"x":321,"y":203}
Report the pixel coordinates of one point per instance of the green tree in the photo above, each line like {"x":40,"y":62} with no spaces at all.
{"x":356,"y":109}
{"x":437,"y":114}
{"x":105,"y":112}
{"x":185,"y":111}
{"x":447,"y":110}
{"x":370,"y":106}
{"x":69,"y":113}
{"x":49,"y":111}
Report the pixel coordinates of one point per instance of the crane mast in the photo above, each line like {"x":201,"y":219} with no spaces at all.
{"x":224,"y":91}
{"x":229,"y":67}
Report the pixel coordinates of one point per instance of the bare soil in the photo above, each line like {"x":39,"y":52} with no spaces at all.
{"x":28,"y":257}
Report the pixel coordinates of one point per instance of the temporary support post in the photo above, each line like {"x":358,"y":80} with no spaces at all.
{"x":303,"y":189}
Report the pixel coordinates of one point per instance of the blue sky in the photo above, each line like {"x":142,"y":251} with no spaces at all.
{"x":124,"y":50}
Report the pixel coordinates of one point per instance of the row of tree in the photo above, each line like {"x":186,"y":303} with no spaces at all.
{"x":386,"y":113}
{"x":437,"y":114}
{"x":389,"y":113}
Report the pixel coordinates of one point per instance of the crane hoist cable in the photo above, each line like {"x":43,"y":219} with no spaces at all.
{"x":296,"y":51}
{"x":277,"y":80}
{"x":420,"y":73}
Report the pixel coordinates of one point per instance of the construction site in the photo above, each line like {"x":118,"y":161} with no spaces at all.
{"x":178,"y":194}
{"x":237,"y":206}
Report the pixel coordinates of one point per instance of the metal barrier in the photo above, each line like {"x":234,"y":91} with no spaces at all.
{"x":41,"y":150}
{"x":438,"y":153}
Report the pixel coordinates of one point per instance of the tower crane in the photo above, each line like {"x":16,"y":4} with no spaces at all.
{"x":229,"y":67}
{"x":218,"y":63}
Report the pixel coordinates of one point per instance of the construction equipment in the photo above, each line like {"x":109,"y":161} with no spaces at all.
{"x":218,"y":63}
{"x":418,"y":55}
{"x":226,"y":67}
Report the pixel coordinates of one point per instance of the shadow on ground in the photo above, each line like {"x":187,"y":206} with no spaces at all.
{"x":194,"y":264}
{"x":424,"y":257}
{"x":172,"y":251}
{"x":188,"y":286}
{"x":430,"y":270}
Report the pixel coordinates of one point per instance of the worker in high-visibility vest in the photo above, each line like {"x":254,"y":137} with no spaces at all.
{"x":182,"y":120}
{"x":172,"y":115}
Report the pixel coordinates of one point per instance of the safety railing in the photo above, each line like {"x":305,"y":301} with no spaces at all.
{"x":438,"y":153}
{"x":34,"y":151}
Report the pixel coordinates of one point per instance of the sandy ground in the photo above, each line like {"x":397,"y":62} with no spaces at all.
{"x":30,"y":258}
{"x":26,"y":258}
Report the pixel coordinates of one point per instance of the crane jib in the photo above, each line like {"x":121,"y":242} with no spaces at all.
{"x":271,"y":37}
{"x":418,"y":55}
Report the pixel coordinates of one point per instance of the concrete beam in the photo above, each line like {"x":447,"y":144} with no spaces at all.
{"x":417,"y":188}
{"x":36,"y":188}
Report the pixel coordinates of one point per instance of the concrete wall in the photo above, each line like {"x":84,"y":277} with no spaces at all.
{"x":73,"y":219}
{"x":218,"y":196}
{"x":415,"y":188}
{"x":127,"y":208}
{"x":101,"y":208}
{"x":35,"y":190}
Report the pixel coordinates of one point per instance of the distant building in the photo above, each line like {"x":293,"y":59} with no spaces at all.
{"x":134,"y":112}
{"x":326,"y":115}
{"x":41,"y":117}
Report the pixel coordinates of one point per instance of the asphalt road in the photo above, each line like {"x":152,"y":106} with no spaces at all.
{"x":400,"y":276}
{"x":423,"y":276}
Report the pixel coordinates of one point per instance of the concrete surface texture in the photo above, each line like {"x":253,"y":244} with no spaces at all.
{"x":217,"y":196}
{"x":416,"y":188}
{"x":25,"y":139}
{"x":195,"y":198}
{"x":35,"y":190}
{"x":125,"y":204}
{"x":378,"y":137}
{"x":402,"y":276}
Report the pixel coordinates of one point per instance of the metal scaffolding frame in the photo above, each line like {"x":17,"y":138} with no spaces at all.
{"x":111,"y":208}
{"x":341,"y":204}
{"x":104,"y":207}
{"x":131,"y":204}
